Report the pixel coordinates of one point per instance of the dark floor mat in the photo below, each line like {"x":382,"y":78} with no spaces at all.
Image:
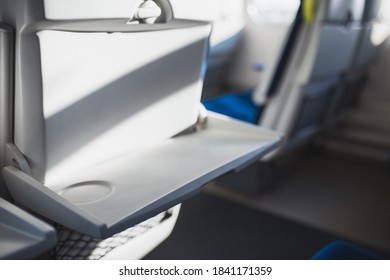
{"x":213,"y":228}
{"x":341,"y":194}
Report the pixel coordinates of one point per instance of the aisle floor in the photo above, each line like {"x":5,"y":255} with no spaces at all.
{"x":339,"y":194}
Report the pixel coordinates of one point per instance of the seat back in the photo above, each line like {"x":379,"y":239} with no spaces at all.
{"x":6,"y":89}
{"x":68,"y":118}
{"x":367,"y":48}
{"x":270,"y":30}
{"x":321,"y":56}
{"x":369,"y":43}
{"x":227,"y":18}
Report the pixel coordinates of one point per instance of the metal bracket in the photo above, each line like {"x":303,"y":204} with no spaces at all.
{"x":201,"y":122}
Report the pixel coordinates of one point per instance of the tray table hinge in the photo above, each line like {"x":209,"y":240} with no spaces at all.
{"x":14,"y":157}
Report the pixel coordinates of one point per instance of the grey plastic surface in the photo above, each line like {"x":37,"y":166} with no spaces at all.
{"x":6,"y":79}
{"x":111,"y":25}
{"x":45,"y":141}
{"x":15,"y":158}
{"x":338,"y":10}
{"x":367,"y":50}
{"x":335,"y":50}
{"x":112,"y":196}
{"x":22,"y":236}
{"x":316,"y":102}
{"x":371,"y":10}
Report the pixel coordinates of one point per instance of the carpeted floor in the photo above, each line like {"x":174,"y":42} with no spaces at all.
{"x":213,"y":228}
{"x":333,"y":192}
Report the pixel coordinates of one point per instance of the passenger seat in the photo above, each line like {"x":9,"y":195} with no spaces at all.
{"x":315,"y":59}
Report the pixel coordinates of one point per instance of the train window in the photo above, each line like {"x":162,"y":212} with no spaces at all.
{"x":381,"y":25}
{"x":275,"y":12}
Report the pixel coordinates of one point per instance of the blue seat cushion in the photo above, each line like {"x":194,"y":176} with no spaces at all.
{"x":238,"y":106}
{"x":340,"y":250}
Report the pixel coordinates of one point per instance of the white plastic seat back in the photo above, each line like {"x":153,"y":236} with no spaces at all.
{"x":105,"y":107}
